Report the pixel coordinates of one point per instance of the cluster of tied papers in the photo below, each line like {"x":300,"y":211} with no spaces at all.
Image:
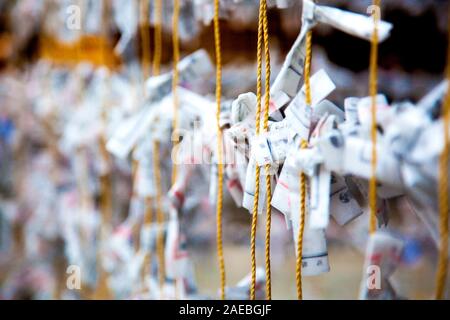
{"x":67,"y":135}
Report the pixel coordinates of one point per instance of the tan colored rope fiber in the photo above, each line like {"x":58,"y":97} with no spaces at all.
{"x":220,"y":167}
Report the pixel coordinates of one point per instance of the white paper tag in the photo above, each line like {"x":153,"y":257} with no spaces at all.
{"x":261,"y":150}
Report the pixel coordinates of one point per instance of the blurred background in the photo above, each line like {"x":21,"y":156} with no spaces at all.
{"x":47,"y":70}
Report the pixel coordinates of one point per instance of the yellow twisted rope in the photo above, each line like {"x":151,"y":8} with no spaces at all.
{"x":156,"y":147}
{"x":219,"y":150}
{"x":145,"y":39}
{"x":146,"y":60}
{"x":373,"y":83}
{"x":257,"y":170}
{"x":159,"y":215}
{"x":442,"y":269}
{"x":267,"y":167}
{"x":157,"y":38}
{"x":176,"y":59}
{"x":298,"y":269}
{"x":102,"y":291}
{"x":308,"y":97}
{"x":304,"y":144}
{"x":148,"y":219}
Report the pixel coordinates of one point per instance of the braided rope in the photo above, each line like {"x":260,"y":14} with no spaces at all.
{"x":219,"y":150}
{"x":267,"y":167}
{"x":257,"y":169}
{"x":304,"y":144}
{"x":175,"y":80}
{"x":302,"y":213}
{"x":159,"y":215}
{"x":442,"y":269}
{"x":145,"y":39}
{"x":157,"y":38}
{"x":308,"y":58}
{"x":373,"y":83}
{"x":148,"y":219}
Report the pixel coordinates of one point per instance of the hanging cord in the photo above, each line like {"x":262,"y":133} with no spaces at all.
{"x":156,"y":64}
{"x":145,"y":63}
{"x":103,"y":291}
{"x":308,"y":95}
{"x":159,"y":216}
{"x":105,"y":180}
{"x":157,"y":38}
{"x":176,"y":59}
{"x":442,"y":269}
{"x":145,"y":42}
{"x":257,"y":168}
{"x":219,"y":150}
{"x":298,"y":269}
{"x":175,"y":80}
{"x":303,"y":145}
{"x":267,"y":166}
{"x":148,"y":220}
{"x":145,"y":39}
{"x":373,"y":84}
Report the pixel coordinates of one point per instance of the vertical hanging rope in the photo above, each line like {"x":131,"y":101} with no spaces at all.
{"x":102,"y":291}
{"x":145,"y":38}
{"x":157,"y":38}
{"x":267,"y":166}
{"x":145,"y":64}
{"x":175,"y":80}
{"x":257,"y":168}
{"x":373,"y":84}
{"x":303,"y":145}
{"x":219,"y":206}
{"x":148,"y":220}
{"x":308,"y":96}
{"x":159,"y":216}
{"x":176,"y":59}
{"x":156,"y":146}
{"x":146,"y":61}
{"x":105,"y":180}
{"x":442,"y":269}
{"x":302,"y":216}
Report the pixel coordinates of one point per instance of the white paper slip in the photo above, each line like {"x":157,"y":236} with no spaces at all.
{"x":343,"y":206}
{"x":320,"y":199}
{"x":315,"y":253}
{"x":261,"y":150}
{"x":129,"y":132}
{"x":358,"y":25}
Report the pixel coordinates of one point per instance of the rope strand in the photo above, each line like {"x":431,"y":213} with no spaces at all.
{"x":159,"y":216}
{"x":156,"y":63}
{"x":146,"y":61}
{"x":145,"y":39}
{"x":157,"y":38}
{"x":175,"y":80}
{"x":303,"y":145}
{"x":219,"y":150}
{"x":373,"y":84}
{"x":267,"y":167}
{"x":442,"y":269}
{"x":302,"y":215}
{"x":257,"y":168}
{"x":308,"y":95}
{"x":148,"y":219}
